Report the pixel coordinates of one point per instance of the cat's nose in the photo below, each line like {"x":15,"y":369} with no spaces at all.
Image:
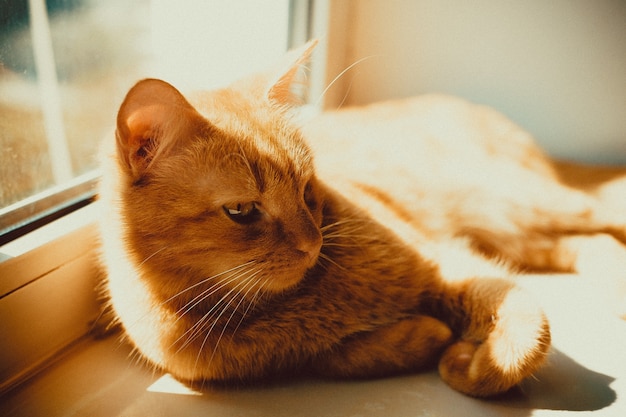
{"x":310,"y":248}
{"x":307,"y":237}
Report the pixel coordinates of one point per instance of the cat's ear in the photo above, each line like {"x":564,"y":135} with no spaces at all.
{"x":153,"y":118}
{"x":280,"y":90}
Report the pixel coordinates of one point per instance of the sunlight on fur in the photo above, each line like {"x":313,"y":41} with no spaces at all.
{"x":520,"y":327}
{"x":365,"y":242}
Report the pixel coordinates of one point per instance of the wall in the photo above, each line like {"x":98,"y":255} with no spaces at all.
{"x":210,"y":43}
{"x":556,"y":67}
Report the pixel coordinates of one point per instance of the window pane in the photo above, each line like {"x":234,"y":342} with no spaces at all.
{"x":61,"y":80}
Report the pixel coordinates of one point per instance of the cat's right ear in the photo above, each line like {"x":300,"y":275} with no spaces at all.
{"x":153,"y":118}
{"x":279,"y":91}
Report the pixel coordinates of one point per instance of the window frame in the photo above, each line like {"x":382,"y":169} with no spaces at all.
{"x":36,"y":211}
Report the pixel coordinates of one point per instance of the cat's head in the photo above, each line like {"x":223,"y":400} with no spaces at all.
{"x":223,"y":189}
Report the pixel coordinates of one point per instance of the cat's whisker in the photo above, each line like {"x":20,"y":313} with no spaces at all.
{"x":138,"y":321}
{"x":326,"y":258}
{"x":243,"y":297}
{"x":342,"y":245}
{"x":341,"y":74}
{"x":348,"y":88}
{"x":195,"y":330}
{"x":345,"y":231}
{"x":224,"y":310}
{"x":346,"y":239}
{"x":152,"y":255}
{"x":346,"y":235}
{"x":208,"y":292}
{"x":343,"y":222}
{"x":252,"y":302}
{"x":191,"y":287}
{"x":204,"y":295}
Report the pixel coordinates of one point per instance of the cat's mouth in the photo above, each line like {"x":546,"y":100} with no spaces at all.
{"x":290,"y":274}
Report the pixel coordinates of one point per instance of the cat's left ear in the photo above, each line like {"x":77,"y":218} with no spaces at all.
{"x":152,"y":121}
{"x":280,"y":90}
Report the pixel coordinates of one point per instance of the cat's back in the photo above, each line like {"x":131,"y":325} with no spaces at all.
{"x":428,"y":157}
{"x":432,"y":133}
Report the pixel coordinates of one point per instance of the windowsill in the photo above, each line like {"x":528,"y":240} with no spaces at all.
{"x":47,"y":293}
{"x":30,"y":256}
{"x":585,"y":372}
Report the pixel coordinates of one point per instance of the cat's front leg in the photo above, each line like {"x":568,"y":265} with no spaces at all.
{"x":504,"y":336}
{"x":411,"y":344}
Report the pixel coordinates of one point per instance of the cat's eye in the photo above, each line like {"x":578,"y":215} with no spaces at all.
{"x":243,"y":213}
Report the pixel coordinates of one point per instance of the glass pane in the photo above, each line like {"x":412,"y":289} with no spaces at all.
{"x":61,"y":80}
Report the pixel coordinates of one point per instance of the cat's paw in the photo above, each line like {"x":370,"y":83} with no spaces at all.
{"x":513,"y":350}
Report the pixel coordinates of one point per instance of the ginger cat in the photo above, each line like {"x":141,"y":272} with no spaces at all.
{"x":363,"y":243}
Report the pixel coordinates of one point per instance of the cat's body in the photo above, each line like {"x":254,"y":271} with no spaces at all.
{"x":231,"y":257}
{"x":458,"y":169}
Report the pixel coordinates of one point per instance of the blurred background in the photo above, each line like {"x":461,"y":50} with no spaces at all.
{"x":558,"y":67}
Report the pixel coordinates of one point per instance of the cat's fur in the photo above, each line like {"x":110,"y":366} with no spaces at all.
{"x":232,"y":257}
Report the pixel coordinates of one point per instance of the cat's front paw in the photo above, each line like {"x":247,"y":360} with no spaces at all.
{"x":513,"y":350}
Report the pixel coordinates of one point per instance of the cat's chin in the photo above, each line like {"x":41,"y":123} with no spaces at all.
{"x":287,"y":280}
{"x":289,"y":276}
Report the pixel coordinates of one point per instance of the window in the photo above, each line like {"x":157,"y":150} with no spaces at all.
{"x":65,"y":66}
